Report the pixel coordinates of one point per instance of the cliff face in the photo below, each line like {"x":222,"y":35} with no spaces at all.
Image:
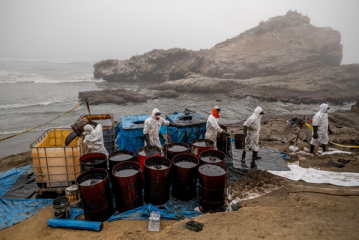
{"x":280,"y":45}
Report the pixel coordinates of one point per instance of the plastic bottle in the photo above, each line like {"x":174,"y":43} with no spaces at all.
{"x":151,"y":223}
{"x":157,"y":222}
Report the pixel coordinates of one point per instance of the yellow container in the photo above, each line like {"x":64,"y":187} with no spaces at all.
{"x":55,"y":164}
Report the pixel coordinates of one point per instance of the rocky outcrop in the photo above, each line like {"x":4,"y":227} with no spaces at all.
{"x":165,"y":94}
{"x":278,"y":46}
{"x":118,"y":96}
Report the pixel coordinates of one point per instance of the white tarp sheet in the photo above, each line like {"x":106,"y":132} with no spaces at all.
{"x":318,"y":176}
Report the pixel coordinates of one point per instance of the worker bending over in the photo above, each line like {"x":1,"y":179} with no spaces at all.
{"x":213,"y":127}
{"x":152,"y":128}
{"x":320,"y":128}
{"x":251,"y":129}
{"x":94,"y":138}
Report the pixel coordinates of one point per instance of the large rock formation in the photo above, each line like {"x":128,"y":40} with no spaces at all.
{"x":118,"y":96}
{"x":281,"y":45}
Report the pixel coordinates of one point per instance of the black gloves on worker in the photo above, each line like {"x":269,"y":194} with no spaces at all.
{"x":315,"y":132}
{"x":173,"y":124}
{"x":224,"y":132}
{"x":93,"y":123}
{"x":245,"y":130}
{"x":147,"y":139}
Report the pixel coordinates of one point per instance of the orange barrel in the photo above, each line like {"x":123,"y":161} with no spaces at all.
{"x":95,"y":193}
{"x":185,"y":172}
{"x":200,"y":145}
{"x":212,"y":188}
{"x":127,"y":186}
{"x":239,"y":141}
{"x":222,"y":140}
{"x":93,"y":160}
{"x":143,"y":153}
{"x":174,"y":149}
{"x":157,"y":180}
{"x":213,"y":157}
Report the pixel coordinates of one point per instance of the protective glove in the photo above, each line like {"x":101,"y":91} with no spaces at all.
{"x":315,"y":132}
{"x":172,"y":124}
{"x":147,"y":139}
{"x":245,"y":130}
{"x":224,"y":132}
{"x":330,"y":131}
{"x":81,"y":135}
{"x":93,"y":123}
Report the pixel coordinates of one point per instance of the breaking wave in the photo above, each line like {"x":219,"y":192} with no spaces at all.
{"x":21,"y":105}
{"x":40,"y":129}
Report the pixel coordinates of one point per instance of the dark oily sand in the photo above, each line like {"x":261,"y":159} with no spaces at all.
{"x":104,"y":122}
{"x":126,"y":172}
{"x":159,"y":165}
{"x":177,"y":148}
{"x":149,"y":152}
{"x":202,"y":144}
{"x":186,"y":164}
{"x":94,"y":160}
{"x":90,"y":182}
{"x":213,"y":158}
{"x":121,"y":157}
{"x":211,"y":170}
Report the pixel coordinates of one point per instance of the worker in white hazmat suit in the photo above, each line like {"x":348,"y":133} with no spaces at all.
{"x":152,"y":127}
{"x":320,"y":128}
{"x":212,"y":127}
{"x":251,"y":129}
{"x":94,"y":139}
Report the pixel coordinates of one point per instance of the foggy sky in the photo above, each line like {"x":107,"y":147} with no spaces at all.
{"x":86,"y":29}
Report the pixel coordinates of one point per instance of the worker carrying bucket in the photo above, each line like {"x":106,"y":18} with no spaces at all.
{"x":212,"y":126}
{"x":251,"y":129}
{"x":152,"y":127}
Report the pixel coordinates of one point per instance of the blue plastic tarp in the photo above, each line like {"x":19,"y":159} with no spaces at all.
{"x":13,"y":211}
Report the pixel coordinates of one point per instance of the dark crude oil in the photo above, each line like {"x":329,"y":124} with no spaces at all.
{"x":202,"y":144}
{"x":158,"y":165}
{"x":211,"y":170}
{"x":126,"y":172}
{"x":121,"y":157}
{"x":93,"y":160}
{"x":149,"y":152}
{"x":90,"y":182}
{"x":104,"y":122}
{"x":177,"y":148}
{"x":185,"y":163}
{"x":212,"y":158}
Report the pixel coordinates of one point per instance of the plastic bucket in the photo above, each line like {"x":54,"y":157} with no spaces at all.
{"x":222,"y":140}
{"x":212,"y":188}
{"x":239,"y":141}
{"x":95,"y":193}
{"x":174,"y":149}
{"x":127,"y":186}
{"x":200,"y":145}
{"x":185,"y":172}
{"x":157,"y":180}
{"x":213,"y":157}
{"x":141,"y":158}
{"x":93,"y":160}
{"x":119,"y":157}
{"x":61,"y":208}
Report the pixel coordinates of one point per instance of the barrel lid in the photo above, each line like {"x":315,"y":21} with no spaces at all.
{"x":212,"y":170}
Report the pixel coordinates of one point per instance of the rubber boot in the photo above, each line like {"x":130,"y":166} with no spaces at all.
{"x":255,"y":155}
{"x":312,"y":149}
{"x":324,"y":146}
{"x":253,"y":164}
{"x":244,"y":157}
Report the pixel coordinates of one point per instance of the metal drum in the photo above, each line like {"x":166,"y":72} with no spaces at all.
{"x":212,"y":188}
{"x":185,"y":172}
{"x":157,"y":180}
{"x":127,"y":186}
{"x":95,"y":193}
{"x":200,"y":145}
{"x":174,"y":149}
{"x":239,"y":141}
{"x":145,"y":152}
{"x":213,"y":157}
{"x":119,"y":157}
{"x":222,"y":140}
{"x":93,"y":160}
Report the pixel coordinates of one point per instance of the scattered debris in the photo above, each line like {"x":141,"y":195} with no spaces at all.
{"x":333,"y":164}
{"x":194,"y":226}
{"x":343,"y":161}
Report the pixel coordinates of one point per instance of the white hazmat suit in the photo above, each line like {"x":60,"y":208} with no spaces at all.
{"x":320,"y":119}
{"x":253,"y":124}
{"x":94,"y":139}
{"x":212,"y":127}
{"x":152,"y":127}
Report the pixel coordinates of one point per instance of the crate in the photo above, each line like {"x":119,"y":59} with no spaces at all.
{"x":55,"y":164}
{"x":108,"y":129}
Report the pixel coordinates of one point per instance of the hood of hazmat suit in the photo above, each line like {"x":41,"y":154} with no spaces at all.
{"x":320,"y":119}
{"x":152,"y":127}
{"x":254,"y":126}
{"x":212,"y":127}
{"x":94,"y":139}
